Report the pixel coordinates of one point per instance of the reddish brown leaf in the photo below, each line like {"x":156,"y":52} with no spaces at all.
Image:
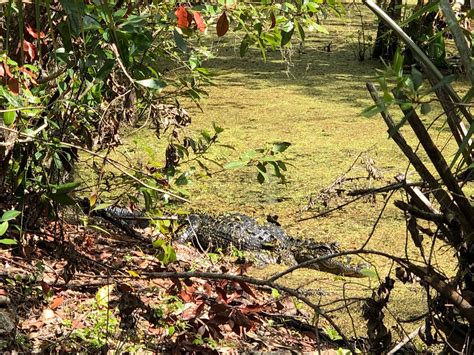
{"x":199,"y":21}
{"x":253,"y":308}
{"x":125,"y":288}
{"x":200,"y":309}
{"x":219,"y":308}
{"x":183,"y":17}
{"x":57,"y":301}
{"x":222,"y":25}
{"x":156,"y":331}
{"x":33,"y":33}
{"x":185,"y":296}
{"x":247,"y":289}
{"x":208,"y":289}
{"x":7,"y":70}
{"x":222,"y":294}
{"x":28,"y":72}
{"x":273,"y":19}
{"x":46,"y":288}
{"x":30,"y":49}
{"x":188,"y":314}
{"x":89,"y":242}
{"x":77,"y":324}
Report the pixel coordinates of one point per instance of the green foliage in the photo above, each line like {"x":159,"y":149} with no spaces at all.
{"x":5,"y":221}
{"x":411,"y":85}
{"x":102,"y":321}
{"x":332,"y":333}
{"x":263,"y":159}
{"x":167,"y":253}
{"x":113,"y":64}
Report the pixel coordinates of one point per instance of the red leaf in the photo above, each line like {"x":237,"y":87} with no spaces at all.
{"x":183,"y":17}
{"x":57,"y":301}
{"x":222,"y":25}
{"x":33,"y":33}
{"x":7,"y":70}
{"x":199,"y":21}
{"x":29,"y":48}
{"x":272,"y":17}
{"x":14,"y":86}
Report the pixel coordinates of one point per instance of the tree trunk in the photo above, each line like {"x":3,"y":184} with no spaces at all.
{"x":386,"y":42}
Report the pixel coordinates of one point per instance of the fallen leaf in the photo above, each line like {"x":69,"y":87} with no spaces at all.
{"x":57,"y":301}
{"x":46,"y":288}
{"x":247,"y":289}
{"x":77,"y":324}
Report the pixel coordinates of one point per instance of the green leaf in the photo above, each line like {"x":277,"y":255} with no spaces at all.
{"x":182,"y":179}
{"x":8,"y":241}
{"x":171,"y":330}
{"x":275,"y":293}
{"x":262,"y":177}
{"x":152,"y":83}
{"x":425,"y":108}
{"x":235,"y":164}
{"x":3,"y":228}
{"x":332,"y":334}
{"x":248,"y":155}
{"x":286,"y":36}
{"x":369,"y":273}
{"x":300,"y":30}
{"x":64,"y":188}
{"x":244,"y":46}
{"x":101,"y":206}
{"x":180,"y":43}
{"x":158,"y":243}
{"x":282,"y":165}
{"x":417,"y":77}
{"x":464,"y":145}
{"x":103,"y":295}
{"x":9,"y":215}
{"x":280,"y":147}
{"x":75,"y":11}
{"x":320,"y":28}
{"x":9,"y":117}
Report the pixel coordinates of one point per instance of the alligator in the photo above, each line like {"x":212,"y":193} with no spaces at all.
{"x":267,"y":243}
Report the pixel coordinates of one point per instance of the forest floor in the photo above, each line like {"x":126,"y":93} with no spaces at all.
{"x":312,"y":97}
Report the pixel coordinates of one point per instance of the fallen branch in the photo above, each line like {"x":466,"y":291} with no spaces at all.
{"x":429,"y":216}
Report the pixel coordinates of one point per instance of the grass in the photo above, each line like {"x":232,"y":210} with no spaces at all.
{"x":314,"y":100}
